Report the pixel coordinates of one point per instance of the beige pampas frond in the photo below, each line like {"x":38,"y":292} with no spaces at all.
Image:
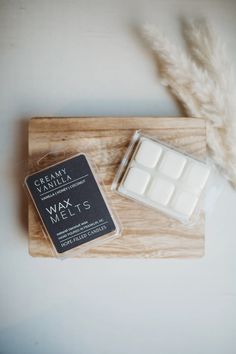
{"x":205,"y":47}
{"x":204,"y":86}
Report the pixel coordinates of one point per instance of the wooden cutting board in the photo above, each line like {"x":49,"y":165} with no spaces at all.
{"x":146,"y":233}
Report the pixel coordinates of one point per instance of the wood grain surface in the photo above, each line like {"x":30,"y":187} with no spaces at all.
{"x":146,"y":233}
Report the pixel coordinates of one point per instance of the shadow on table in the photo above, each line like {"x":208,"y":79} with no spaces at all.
{"x":21,"y":169}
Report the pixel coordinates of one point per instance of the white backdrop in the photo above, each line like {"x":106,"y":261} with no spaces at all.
{"x":63,"y":58}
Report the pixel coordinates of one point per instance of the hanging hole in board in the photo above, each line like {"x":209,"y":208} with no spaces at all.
{"x":51,"y":158}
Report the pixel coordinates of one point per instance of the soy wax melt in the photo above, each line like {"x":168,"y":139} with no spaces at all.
{"x":162,"y":177}
{"x":72,"y":205}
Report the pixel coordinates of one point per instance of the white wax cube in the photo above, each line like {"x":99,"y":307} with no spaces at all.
{"x":136,"y":180}
{"x":184,"y":202}
{"x":195,"y":176}
{"x":148,"y":153}
{"x":172,"y":164}
{"x":161,"y":190}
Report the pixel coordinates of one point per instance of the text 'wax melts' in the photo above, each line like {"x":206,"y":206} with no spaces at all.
{"x":161,"y":177}
{"x":71,"y":204}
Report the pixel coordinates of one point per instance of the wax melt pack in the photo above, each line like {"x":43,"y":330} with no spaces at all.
{"x":72,"y":205}
{"x":161,"y":177}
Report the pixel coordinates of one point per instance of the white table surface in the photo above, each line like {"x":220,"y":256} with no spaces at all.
{"x":73,"y":58}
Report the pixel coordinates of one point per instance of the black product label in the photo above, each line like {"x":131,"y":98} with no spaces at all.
{"x":70,"y":203}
